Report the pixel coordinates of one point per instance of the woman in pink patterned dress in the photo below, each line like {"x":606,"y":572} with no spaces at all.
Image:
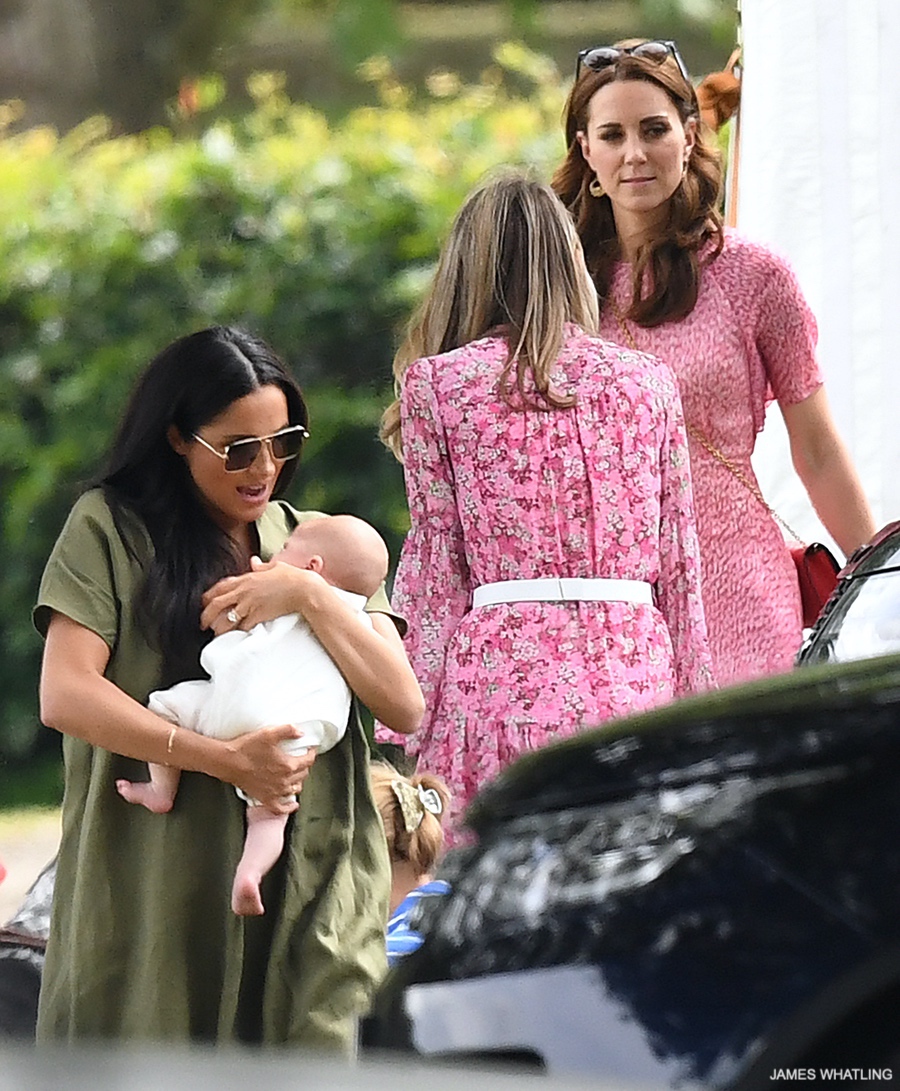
{"x":551,"y":571}
{"x":642,"y":184}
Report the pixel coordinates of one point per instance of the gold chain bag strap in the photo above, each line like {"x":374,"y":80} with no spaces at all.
{"x":817,"y":567}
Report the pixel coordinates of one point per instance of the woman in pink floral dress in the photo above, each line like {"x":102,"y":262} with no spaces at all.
{"x":541,"y":463}
{"x":642,"y":183}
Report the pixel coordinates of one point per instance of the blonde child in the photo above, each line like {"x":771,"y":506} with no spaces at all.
{"x":412,"y":809}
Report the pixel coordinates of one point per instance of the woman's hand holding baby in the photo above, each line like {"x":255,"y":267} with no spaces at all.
{"x":270,"y":589}
{"x":261,"y":768}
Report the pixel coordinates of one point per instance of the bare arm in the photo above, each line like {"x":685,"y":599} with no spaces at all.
{"x":371,"y":659}
{"x":824,"y":466}
{"x":78,"y":700}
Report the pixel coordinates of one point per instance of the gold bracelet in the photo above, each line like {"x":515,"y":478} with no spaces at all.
{"x":171,"y":741}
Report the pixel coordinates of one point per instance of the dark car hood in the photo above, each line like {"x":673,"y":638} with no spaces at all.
{"x":822,"y":716}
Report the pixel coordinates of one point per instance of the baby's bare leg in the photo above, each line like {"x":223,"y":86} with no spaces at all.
{"x":156,"y":794}
{"x":262,"y":847}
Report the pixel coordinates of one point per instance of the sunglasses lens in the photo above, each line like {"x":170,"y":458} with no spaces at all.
{"x":242,"y":455}
{"x":287,"y":444}
{"x":601,"y":57}
{"x":653,"y":51}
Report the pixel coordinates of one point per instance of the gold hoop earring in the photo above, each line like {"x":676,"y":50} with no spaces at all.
{"x":595,"y":188}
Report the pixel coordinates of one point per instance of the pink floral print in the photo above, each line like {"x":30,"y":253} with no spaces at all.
{"x":598,"y":489}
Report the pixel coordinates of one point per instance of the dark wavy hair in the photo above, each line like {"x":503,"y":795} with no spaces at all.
{"x":187,"y":385}
{"x":673,"y":256}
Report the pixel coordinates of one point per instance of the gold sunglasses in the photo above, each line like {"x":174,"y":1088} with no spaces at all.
{"x":241,"y":454}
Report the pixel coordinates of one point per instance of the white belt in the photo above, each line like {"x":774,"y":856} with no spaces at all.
{"x":563,"y":590}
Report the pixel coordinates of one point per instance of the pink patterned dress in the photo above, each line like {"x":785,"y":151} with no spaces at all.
{"x":750,"y":337}
{"x":599,"y":489}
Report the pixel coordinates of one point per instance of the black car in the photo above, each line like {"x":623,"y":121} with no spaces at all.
{"x":23,"y":941}
{"x":707,"y":896}
{"x":862,"y":617}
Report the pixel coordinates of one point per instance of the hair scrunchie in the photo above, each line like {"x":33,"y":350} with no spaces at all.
{"x":719,"y":94}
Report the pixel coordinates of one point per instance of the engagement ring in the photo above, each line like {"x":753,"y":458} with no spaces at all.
{"x":232,"y":616}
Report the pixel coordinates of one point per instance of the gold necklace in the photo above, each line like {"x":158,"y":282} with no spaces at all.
{"x":620,"y":318}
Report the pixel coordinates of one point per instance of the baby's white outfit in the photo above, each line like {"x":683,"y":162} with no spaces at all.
{"x":276,"y":673}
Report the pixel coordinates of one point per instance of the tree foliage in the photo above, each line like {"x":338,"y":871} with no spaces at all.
{"x":67,"y":59}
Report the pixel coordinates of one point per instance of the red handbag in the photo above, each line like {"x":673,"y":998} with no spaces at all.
{"x":817,"y":567}
{"x":817,"y":574}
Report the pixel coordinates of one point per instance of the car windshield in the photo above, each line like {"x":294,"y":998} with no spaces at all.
{"x":865,"y":622}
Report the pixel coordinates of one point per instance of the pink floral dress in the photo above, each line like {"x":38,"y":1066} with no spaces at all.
{"x":750,"y":337}
{"x":599,"y":489}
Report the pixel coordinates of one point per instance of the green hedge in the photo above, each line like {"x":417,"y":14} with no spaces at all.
{"x":320,"y":237}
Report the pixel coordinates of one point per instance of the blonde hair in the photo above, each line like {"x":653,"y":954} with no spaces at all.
{"x":512,"y":264}
{"x":422,"y":846}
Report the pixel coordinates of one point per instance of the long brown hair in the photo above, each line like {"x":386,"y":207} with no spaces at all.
{"x":511,"y":263}
{"x":672,"y":257}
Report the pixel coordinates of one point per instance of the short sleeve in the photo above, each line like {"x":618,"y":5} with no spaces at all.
{"x":379,"y":603}
{"x":80,"y":578}
{"x":786,"y":335}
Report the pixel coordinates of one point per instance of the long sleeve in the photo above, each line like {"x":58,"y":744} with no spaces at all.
{"x":678,"y":589}
{"x":432,"y":587}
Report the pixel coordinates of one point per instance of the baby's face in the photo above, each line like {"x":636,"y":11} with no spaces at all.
{"x":295,"y":551}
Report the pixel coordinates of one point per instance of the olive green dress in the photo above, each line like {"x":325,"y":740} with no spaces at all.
{"x":143,"y":943}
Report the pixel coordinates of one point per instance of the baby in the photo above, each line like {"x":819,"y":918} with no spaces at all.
{"x":276,"y":673}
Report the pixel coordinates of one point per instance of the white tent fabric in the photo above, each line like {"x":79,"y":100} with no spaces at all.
{"x":819,"y":174}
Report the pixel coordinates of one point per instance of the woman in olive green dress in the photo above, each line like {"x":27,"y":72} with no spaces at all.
{"x":173,"y":545}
